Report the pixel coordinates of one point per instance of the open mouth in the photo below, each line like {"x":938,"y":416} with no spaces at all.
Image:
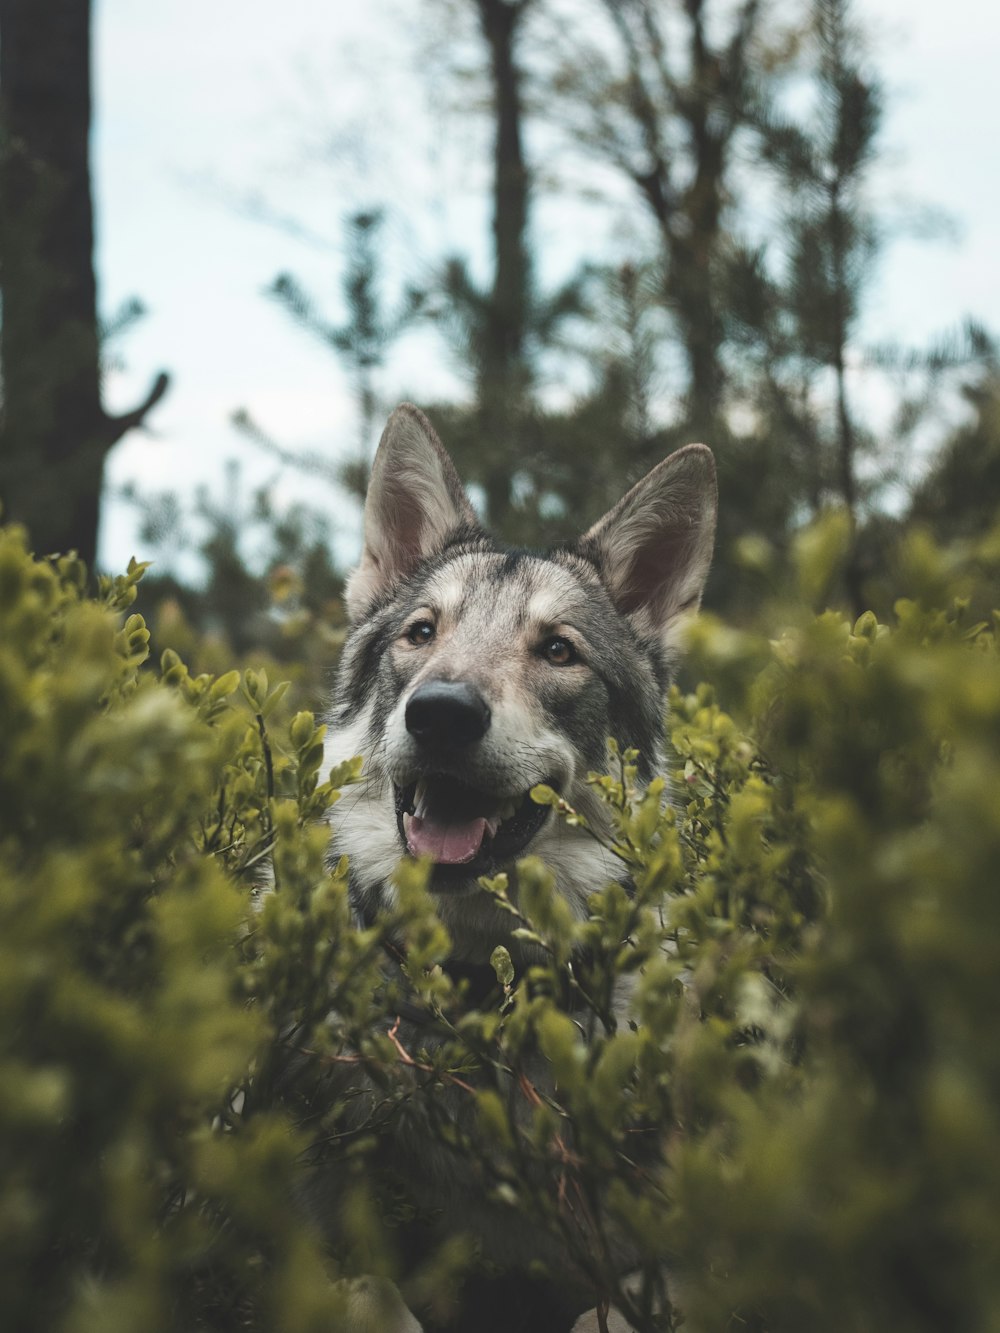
{"x":458,"y":825}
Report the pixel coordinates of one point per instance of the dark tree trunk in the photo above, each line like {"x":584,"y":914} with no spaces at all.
{"x":503,"y":379}
{"x":710,"y":103}
{"x":846,"y":441}
{"x":696,"y":243}
{"x":54,"y":434}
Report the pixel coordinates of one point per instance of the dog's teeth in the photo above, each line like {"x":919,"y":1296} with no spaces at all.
{"x":508,"y":810}
{"x":419,"y":799}
{"x":492,"y":824}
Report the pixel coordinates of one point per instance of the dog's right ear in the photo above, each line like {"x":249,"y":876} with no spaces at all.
{"x":415,"y":500}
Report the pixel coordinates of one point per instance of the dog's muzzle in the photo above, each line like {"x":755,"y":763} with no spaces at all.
{"x":442,"y":816}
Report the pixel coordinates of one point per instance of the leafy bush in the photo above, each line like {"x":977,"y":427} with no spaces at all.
{"x":800,"y":1122}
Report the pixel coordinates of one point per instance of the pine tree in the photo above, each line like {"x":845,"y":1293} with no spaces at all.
{"x":665,"y":104}
{"x":960,"y":494}
{"x":824,"y":165}
{"x":362,"y":341}
{"x":498,"y":332}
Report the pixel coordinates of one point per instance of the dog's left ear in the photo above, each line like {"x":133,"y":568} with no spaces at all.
{"x":415,"y":500}
{"x":653,"y":549}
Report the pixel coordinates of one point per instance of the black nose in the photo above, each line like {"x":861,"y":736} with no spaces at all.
{"x":447,"y":713}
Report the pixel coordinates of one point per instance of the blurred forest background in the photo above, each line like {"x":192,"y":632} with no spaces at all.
{"x":744,"y":141}
{"x":804,"y":1118}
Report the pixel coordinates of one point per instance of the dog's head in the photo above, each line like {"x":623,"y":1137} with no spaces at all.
{"x":473,"y":672}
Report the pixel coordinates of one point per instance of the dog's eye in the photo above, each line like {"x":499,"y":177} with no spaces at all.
{"x":420,"y":632}
{"x":559,"y":651}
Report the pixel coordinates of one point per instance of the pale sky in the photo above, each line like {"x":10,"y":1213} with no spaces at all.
{"x":316,"y":108}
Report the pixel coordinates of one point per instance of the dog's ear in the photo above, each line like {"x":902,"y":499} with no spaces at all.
{"x":415,"y":499}
{"x":653,"y":549}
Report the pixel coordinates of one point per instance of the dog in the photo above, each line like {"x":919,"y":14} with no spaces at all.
{"x":472,"y":672}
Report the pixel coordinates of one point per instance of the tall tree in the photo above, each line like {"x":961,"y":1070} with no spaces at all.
{"x":492,"y":329}
{"x":503,"y":444}
{"x":55,"y":433}
{"x":503,"y":371}
{"x":666,"y":109}
{"x":831,"y":239}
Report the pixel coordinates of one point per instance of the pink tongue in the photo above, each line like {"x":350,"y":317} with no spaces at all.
{"x":450,"y":844}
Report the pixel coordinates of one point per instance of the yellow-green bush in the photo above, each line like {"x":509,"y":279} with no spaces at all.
{"x":800,"y":1123}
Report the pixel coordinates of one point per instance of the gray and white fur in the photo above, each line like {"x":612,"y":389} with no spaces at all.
{"x":473,"y":671}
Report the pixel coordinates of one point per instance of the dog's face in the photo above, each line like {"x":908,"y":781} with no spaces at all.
{"x":473,"y":673}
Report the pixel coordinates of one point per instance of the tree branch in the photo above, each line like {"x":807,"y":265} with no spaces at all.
{"x":116,"y":427}
{"x":655,"y":184}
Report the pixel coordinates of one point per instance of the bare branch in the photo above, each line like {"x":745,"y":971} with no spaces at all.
{"x":116,"y":427}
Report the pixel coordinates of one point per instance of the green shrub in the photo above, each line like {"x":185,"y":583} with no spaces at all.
{"x":800,"y":1122}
